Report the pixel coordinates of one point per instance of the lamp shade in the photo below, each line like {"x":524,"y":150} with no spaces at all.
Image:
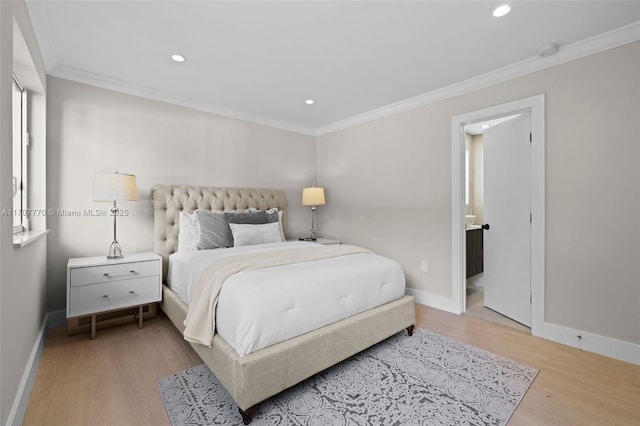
{"x":115,"y":187}
{"x":313,"y":196}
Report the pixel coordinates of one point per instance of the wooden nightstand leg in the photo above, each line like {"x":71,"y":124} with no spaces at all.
{"x":93,"y":327}
{"x":140,"y":316}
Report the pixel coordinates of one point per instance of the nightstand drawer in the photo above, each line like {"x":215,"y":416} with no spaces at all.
{"x":115,"y":272}
{"x":109,"y":296}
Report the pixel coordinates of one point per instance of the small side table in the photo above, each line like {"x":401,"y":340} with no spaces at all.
{"x":323,"y":241}
{"x":97,"y":285}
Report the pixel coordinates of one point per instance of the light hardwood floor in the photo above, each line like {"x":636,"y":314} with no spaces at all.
{"x":112,"y":380}
{"x":476,"y":309}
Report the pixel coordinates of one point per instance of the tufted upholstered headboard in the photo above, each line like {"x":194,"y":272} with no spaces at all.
{"x":170,"y":200}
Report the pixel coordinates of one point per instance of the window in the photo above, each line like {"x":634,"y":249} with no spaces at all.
{"x":20,"y":144}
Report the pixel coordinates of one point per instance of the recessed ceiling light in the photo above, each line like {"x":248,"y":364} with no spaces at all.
{"x":309,"y":102}
{"x":177,"y":58}
{"x":501,"y":10}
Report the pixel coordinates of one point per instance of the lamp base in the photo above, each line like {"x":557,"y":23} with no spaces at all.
{"x":312,"y":232}
{"x":115,"y":251}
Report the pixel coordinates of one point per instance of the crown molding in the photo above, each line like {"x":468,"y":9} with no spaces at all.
{"x":39,"y":17}
{"x":608,"y":40}
{"x":104,"y":82}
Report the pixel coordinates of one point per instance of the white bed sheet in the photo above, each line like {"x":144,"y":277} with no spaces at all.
{"x":261,"y":307}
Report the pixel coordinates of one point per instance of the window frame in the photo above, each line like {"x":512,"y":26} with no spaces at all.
{"x":20,"y":211}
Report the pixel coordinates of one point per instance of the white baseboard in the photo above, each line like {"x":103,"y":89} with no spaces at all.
{"x":19,"y":407}
{"x":20,"y":403}
{"x":602,"y":345}
{"x":432,"y":300}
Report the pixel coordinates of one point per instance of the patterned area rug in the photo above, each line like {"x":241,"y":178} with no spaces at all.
{"x":426,"y":379}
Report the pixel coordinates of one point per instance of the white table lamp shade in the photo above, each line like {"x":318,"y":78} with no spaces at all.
{"x":313,"y":196}
{"x":115,"y":187}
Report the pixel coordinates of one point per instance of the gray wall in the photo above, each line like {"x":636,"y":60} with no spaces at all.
{"x":93,"y":130}
{"x":389,"y":188}
{"x":22,"y":270}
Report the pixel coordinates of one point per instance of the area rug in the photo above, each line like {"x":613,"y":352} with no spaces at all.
{"x":426,"y":379}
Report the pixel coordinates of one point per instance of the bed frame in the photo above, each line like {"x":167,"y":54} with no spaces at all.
{"x":252,"y":378}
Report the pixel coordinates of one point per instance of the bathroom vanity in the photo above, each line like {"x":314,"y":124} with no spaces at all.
{"x":474,"y":250}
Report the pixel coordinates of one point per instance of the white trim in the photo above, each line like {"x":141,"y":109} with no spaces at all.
{"x":21,"y":239}
{"x":608,"y":40}
{"x":538,"y":210}
{"x":618,"y":349}
{"x":431,"y":300}
{"x":40,"y":22}
{"x":614,"y":38}
{"x":602,"y":345}
{"x":606,"y":346}
{"x":19,"y":407}
{"x":98,"y":80}
{"x":535,"y":105}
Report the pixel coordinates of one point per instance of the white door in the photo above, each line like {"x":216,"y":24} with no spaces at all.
{"x":507,"y":209}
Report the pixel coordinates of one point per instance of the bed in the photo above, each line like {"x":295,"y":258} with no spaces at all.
{"x":255,"y":374}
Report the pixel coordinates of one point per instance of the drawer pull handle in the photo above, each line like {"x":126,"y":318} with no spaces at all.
{"x":107,"y":275}
{"x":132,"y":292}
{"x":105,"y":296}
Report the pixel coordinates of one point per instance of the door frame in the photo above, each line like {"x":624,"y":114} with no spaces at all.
{"x":536,"y":106}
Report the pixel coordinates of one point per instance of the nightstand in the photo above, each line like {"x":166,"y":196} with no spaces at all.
{"x":97,"y":288}
{"x":323,"y":241}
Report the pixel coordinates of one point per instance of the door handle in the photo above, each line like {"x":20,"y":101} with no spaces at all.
{"x":486,"y":226}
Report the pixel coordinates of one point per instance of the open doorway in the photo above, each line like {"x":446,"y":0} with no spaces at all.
{"x":534,"y":107}
{"x":492,"y":296}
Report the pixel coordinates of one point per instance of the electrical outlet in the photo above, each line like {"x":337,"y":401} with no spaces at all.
{"x":424,"y":266}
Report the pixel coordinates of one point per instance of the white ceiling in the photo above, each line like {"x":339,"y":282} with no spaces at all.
{"x":260,"y":60}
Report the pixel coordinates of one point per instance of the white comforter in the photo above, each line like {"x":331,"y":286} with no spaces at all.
{"x":260,"y":307}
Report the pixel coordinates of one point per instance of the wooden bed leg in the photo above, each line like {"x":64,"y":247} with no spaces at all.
{"x":410,"y":330}
{"x":247,"y":415}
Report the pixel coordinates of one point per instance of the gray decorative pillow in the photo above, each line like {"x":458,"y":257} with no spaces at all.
{"x":253,"y":217}
{"x":249,"y":218}
{"x":214,"y":230}
{"x":272,"y":215}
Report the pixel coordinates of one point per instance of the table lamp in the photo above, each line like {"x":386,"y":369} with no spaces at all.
{"x":115,"y":187}
{"x":313,"y":196}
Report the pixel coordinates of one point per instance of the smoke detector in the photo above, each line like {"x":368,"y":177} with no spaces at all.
{"x":549,"y":50}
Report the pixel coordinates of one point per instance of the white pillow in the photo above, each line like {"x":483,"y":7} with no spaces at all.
{"x":188,"y":232}
{"x":249,"y":234}
{"x":281,"y":226}
{"x":269,"y":211}
{"x":275,"y":209}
